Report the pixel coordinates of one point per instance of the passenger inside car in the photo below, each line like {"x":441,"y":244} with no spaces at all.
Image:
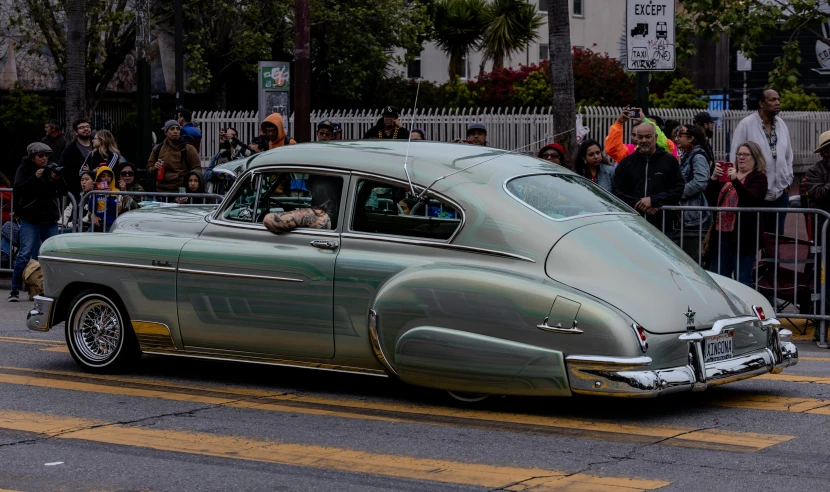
{"x":321,"y":214}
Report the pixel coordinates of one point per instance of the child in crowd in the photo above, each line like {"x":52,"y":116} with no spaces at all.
{"x":87,"y":184}
{"x":193,"y":184}
{"x":105,"y":208}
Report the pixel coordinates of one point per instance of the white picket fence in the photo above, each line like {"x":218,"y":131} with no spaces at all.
{"x":527,"y":128}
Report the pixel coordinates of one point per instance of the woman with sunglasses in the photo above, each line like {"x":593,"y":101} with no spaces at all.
{"x":104,"y":152}
{"x":125,"y":176}
{"x":554,"y":153}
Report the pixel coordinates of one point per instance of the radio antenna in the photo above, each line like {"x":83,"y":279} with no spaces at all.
{"x":409,"y":141}
{"x":421,"y":196}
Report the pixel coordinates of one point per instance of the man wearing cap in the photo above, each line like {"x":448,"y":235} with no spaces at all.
{"x":325,"y":131}
{"x":767,"y":129}
{"x":706,"y":122}
{"x":388,"y":127}
{"x":476,"y":135}
{"x":173,"y":158}
{"x":36,"y":191}
{"x":337,"y":131}
{"x":189,"y":132}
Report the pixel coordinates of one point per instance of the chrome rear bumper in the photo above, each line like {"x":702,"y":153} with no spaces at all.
{"x":633,"y":377}
{"x":40,"y":316}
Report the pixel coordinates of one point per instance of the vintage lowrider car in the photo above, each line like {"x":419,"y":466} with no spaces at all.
{"x":488,"y":273}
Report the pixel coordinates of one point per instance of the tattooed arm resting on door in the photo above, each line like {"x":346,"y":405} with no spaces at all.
{"x":303,"y":217}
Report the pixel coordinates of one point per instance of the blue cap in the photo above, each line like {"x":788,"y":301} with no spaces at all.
{"x":476,"y":126}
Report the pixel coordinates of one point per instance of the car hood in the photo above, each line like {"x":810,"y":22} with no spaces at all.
{"x":181,"y":221}
{"x":632,"y":266}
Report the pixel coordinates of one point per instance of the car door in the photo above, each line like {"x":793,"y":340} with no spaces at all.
{"x":243,"y":289}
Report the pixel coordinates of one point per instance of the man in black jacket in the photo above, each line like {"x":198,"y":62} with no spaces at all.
{"x":36,"y":192}
{"x":650,"y":178}
{"x":388,"y":126}
{"x":75,"y":154}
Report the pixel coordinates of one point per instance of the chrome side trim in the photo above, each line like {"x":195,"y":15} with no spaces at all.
{"x":40,"y":317}
{"x":270,"y":362}
{"x":374,"y":338}
{"x":573,"y":330}
{"x":614,"y":361}
{"x":726,"y":324}
{"x":442,"y":245}
{"x":238,"y":275}
{"x":107,"y":263}
{"x":260,"y":227}
{"x":504,"y":187}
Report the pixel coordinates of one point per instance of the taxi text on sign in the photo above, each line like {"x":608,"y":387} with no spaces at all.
{"x":649,"y":32}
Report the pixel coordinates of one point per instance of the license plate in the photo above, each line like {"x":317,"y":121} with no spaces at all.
{"x":717,"y":348}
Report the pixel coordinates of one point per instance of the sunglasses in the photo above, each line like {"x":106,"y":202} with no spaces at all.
{"x":127,"y":173}
{"x":550,"y":154}
{"x":324,"y":134}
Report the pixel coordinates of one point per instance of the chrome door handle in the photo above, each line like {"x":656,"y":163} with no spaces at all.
{"x":325,"y":244}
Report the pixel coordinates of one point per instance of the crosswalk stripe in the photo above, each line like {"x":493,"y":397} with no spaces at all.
{"x":711,"y":439}
{"x":314,"y":456}
{"x":796,"y":378}
{"x":774,"y":403}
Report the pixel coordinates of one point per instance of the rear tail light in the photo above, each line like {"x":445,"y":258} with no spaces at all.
{"x":759,"y":312}
{"x":641,"y":335}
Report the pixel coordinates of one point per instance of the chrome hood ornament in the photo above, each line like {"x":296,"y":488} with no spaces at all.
{"x":690,"y":319}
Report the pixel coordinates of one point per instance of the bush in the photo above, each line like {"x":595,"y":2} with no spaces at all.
{"x":534,"y":90}
{"x":680,"y":94}
{"x":797,"y":100}
{"x":599,"y":79}
{"x":461,"y":95}
{"x":22,"y":117}
{"x":399,"y":91}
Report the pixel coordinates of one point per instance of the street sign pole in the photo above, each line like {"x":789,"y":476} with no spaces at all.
{"x":642,"y":91}
{"x":744,"y":65}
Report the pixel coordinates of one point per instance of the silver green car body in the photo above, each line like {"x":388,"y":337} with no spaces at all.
{"x":514,"y":302}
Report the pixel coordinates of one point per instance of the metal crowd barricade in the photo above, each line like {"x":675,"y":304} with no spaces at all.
{"x":816,"y":249}
{"x":10,"y":248}
{"x":162,"y":198}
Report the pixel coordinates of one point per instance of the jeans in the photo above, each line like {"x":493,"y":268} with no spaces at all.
{"x":32,"y":236}
{"x":769,"y":219}
{"x":728,"y":261}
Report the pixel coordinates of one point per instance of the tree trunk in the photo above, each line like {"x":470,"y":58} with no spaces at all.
{"x":498,"y":61}
{"x":562,"y":74}
{"x":456,"y":66}
{"x":75,"y":63}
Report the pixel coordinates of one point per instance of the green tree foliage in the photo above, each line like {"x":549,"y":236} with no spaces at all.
{"x":458,"y":27}
{"x":797,"y":100}
{"x":512,"y":25}
{"x":22,"y":117}
{"x":460,"y":95}
{"x":599,"y":79}
{"x":399,"y":91}
{"x":110,"y":37}
{"x":749,"y":24}
{"x":680,"y":94}
{"x":533,"y":90}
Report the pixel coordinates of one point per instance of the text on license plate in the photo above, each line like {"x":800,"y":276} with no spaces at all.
{"x":717,"y":348}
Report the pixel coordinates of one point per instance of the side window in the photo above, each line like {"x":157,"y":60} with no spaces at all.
{"x":241,"y":208}
{"x":289,"y":191}
{"x":381,"y":208}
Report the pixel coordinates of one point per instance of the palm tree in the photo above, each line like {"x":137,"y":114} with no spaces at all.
{"x":562,"y":74}
{"x":459,"y":26}
{"x":513,"y":25}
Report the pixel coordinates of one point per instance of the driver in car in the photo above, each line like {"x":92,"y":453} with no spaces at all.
{"x":325,"y":199}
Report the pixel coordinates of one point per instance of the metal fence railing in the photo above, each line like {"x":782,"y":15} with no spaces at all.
{"x":10,"y":228}
{"x":517,"y":127}
{"x":119,"y":202}
{"x":787,"y":265}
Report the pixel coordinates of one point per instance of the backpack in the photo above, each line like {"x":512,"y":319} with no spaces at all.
{"x":157,"y":148}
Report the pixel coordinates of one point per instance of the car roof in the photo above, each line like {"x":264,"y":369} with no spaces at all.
{"x":427,"y":161}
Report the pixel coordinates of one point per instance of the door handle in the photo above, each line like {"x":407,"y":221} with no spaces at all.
{"x":325,"y":244}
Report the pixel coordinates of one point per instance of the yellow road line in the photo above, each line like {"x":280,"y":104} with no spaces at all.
{"x":774,"y":403}
{"x":796,"y":378}
{"x":822,"y":359}
{"x":60,"y":348}
{"x":312,"y":456}
{"x":712,"y":439}
{"x":31,"y":340}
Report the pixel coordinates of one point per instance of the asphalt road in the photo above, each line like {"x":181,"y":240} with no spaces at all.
{"x":181,"y":425}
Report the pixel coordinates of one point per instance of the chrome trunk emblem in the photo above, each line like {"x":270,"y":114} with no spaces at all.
{"x":690,"y":319}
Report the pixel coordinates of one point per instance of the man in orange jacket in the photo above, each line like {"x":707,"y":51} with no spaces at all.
{"x":274,"y":129}
{"x":618,"y":150}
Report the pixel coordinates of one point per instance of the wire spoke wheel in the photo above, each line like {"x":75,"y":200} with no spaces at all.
{"x":97,"y":330}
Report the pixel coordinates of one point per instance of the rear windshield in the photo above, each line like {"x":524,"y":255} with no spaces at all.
{"x":561,"y":196}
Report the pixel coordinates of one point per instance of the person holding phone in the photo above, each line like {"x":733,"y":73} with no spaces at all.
{"x":618,"y":150}
{"x":746,"y":186}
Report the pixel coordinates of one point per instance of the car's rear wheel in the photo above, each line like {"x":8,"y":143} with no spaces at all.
{"x":98,"y":333}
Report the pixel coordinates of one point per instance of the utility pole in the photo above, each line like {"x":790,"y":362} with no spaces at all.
{"x":179,"y":21}
{"x":642,"y":92}
{"x":143,"y":94}
{"x":302,"y":72}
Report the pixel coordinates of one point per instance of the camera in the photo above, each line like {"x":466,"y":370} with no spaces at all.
{"x":54,"y":167}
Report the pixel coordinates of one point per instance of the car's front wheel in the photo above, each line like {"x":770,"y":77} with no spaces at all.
{"x":98,"y":333}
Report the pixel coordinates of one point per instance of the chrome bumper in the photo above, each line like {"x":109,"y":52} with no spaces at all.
{"x":633,"y":377}
{"x":40,"y":316}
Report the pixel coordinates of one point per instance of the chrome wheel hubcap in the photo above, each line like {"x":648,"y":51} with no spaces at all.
{"x":96,"y":330}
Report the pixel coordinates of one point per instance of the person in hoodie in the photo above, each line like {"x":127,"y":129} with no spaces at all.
{"x":36,"y":192}
{"x":105,"y":208}
{"x":273,"y":128}
{"x":650,"y":178}
{"x":193,"y":183}
{"x":618,"y":150}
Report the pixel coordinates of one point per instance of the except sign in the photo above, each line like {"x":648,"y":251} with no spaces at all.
{"x":649,"y":33}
